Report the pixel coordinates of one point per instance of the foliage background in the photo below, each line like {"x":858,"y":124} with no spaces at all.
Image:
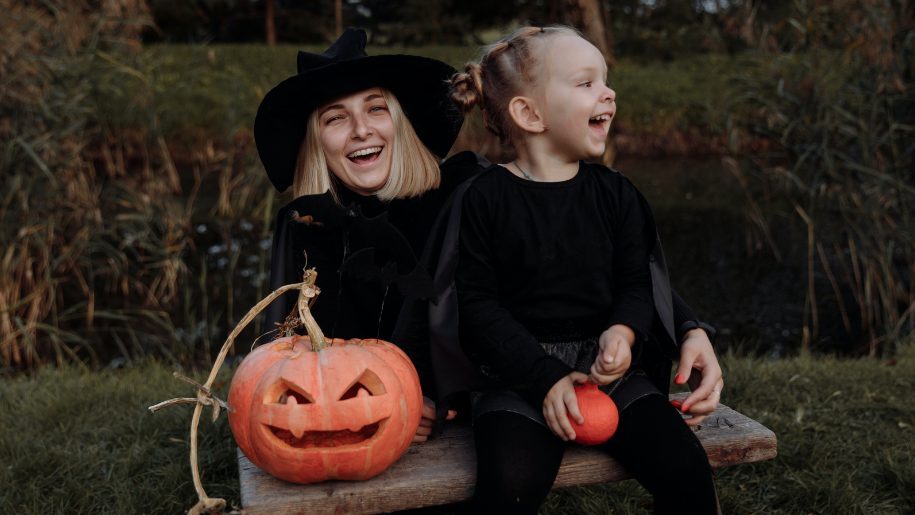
{"x":135,"y":224}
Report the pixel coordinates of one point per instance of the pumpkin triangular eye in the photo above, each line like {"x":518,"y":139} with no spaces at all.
{"x":291,"y":396}
{"x":368,"y":384}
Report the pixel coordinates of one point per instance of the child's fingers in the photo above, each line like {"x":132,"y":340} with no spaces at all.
{"x":578,"y":377}
{"x":563,"y":418}
{"x":550,"y":415}
{"x":607,"y":358}
{"x":571,"y":405}
{"x":561,"y":425}
{"x":601,"y":378}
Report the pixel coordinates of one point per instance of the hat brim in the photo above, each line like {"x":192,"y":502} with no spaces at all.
{"x":419,"y":83}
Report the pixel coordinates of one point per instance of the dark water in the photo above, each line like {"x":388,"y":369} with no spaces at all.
{"x":722,"y":264}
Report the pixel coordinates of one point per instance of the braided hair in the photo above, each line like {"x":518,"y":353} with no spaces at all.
{"x":506,"y":68}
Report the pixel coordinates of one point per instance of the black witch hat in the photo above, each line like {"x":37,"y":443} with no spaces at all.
{"x":419,"y":83}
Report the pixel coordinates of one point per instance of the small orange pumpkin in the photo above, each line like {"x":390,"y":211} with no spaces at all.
{"x":344,"y":409}
{"x":600,"y":414}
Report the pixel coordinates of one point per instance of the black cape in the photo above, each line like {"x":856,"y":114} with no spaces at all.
{"x":431,"y":328}
{"x":365,"y":252}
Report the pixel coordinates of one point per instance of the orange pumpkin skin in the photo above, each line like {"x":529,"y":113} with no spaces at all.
{"x":348,"y":411}
{"x":600,"y":413}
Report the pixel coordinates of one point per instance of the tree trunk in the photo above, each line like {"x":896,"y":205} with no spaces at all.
{"x":269,"y":19}
{"x":587,"y":16}
{"x":338,"y":17}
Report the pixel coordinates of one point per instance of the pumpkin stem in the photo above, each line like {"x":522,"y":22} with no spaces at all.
{"x":307,"y":295}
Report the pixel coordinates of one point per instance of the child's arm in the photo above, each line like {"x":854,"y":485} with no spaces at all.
{"x":632,"y":309}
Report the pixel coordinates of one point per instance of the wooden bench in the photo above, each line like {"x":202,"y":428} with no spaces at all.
{"x":443,"y":470}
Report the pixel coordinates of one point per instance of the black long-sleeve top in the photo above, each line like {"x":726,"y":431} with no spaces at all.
{"x":555,"y":261}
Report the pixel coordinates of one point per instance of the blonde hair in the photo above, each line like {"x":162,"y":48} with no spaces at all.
{"x":414,"y":168}
{"x":506,"y":68}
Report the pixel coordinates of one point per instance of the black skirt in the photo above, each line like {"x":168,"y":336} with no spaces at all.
{"x":579,"y":355}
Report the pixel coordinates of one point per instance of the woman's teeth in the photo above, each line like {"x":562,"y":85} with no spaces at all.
{"x":600,"y":118}
{"x":364,"y":152}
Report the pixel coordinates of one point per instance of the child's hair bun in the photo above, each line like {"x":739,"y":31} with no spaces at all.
{"x":467,"y":87}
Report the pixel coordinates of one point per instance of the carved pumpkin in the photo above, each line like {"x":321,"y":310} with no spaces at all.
{"x":599,"y":412}
{"x":345,"y":409}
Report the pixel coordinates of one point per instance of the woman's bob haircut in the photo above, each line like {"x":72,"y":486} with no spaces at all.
{"x":414,"y":169}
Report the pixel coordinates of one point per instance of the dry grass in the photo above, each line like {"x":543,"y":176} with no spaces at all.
{"x":107,"y":224}
{"x":838,"y":111}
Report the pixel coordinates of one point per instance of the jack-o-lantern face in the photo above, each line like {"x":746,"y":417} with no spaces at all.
{"x":347,"y":411}
{"x":329,"y":418}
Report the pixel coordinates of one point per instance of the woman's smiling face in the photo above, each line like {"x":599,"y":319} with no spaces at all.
{"x":357,"y":134}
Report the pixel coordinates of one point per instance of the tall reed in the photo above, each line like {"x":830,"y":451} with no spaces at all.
{"x":117,"y":236}
{"x":840,"y":110}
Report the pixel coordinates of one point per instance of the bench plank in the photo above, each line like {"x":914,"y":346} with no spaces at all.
{"x":443,"y":471}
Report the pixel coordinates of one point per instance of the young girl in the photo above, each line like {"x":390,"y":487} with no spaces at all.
{"x":554,"y":287}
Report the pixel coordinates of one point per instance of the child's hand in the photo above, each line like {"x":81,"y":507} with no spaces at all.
{"x":700,"y":367}
{"x":615,"y":354}
{"x":560,"y":403}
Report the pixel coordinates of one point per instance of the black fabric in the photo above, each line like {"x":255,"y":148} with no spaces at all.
{"x":419,"y":83}
{"x":657,"y":447}
{"x":517,"y":460}
{"x":365,"y":252}
{"x":454,"y":373}
{"x":542,"y":262}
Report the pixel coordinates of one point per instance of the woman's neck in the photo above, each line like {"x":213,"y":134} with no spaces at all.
{"x":542,"y":166}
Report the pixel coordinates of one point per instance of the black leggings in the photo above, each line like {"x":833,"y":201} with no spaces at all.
{"x":517,"y":460}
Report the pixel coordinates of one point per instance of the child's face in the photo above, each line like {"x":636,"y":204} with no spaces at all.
{"x":576,"y":104}
{"x":356,"y":133}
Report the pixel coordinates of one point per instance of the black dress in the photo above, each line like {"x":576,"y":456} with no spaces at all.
{"x":455,"y":374}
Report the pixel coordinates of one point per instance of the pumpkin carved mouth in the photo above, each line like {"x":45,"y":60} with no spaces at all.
{"x":298,"y":421}
{"x":326,"y":439}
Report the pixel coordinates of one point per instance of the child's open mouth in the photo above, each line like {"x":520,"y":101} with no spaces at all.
{"x":600,"y":121}
{"x":365,"y":155}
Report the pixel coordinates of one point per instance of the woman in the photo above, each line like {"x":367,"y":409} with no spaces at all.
{"x":357,"y":137}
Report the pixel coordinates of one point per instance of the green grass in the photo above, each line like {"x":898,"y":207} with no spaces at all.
{"x":73,"y":441}
{"x":218,"y":87}
{"x":81,"y":442}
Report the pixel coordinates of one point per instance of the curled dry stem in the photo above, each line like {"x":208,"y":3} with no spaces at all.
{"x":307,"y":292}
